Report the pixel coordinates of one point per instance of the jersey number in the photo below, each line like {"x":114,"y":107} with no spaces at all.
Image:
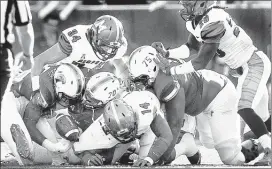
{"x":146,"y":107}
{"x":112,"y":94}
{"x":147,"y":61}
{"x":236,"y":30}
{"x":72,"y":34}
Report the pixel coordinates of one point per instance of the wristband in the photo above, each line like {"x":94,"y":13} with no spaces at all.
{"x":35,"y":83}
{"x":182,"y":69}
{"x":149,"y":160}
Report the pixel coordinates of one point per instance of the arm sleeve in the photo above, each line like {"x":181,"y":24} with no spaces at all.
{"x":146,"y":141}
{"x":22,"y":13}
{"x":31,"y":117}
{"x":213,"y":32}
{"x":164,"y":136}
{"x":64,"y":44}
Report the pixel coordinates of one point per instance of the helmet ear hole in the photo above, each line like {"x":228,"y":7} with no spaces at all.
{"x":155,"y":68}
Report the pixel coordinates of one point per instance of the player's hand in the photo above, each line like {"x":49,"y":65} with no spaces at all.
{"x":23,"y":62}
{"x":160,"y":49}
{"x":163,"y":63}
{"x":92,"y":159}
{"x":141,"y":163}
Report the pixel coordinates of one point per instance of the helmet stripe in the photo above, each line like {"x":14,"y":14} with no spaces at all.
{"x":99,"y":83}
{"x":115,"y":114}
{"x":117,"y":29}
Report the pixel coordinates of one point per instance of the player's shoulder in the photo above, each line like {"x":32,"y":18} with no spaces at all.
{"x":47,"y":90}
{"x":165,"y":86}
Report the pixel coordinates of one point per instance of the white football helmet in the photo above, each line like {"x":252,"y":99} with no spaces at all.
{"x":142,"y":66}
{"x":101,"y":88}
{"x":69,"y":82}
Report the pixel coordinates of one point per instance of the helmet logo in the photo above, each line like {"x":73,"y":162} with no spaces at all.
{"x":60,"y":78}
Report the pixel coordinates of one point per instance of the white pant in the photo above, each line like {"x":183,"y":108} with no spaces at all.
{"x":189,"y":124}
{"x":11,"y":113}
{"x":252,"y":87}
{"x":219,"y":126}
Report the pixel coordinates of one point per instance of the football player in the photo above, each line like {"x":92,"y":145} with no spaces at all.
{"x":213,"y":31}
{"x":89,"y":45}
{"x":209,"y":96}
{"x":131,"y":115}
{"x":58,"y":86}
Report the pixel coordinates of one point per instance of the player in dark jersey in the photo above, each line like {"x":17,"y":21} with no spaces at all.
{"x":203,"y":93}
{"x":22,"y":102}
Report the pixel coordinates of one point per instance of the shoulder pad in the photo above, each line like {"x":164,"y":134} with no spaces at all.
{"x":213,"y":32}
{"x":47,"y":89}
{"x":64,"y":44}
{"x":165,"y":87}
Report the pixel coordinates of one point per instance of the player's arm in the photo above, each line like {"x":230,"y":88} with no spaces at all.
{"x":211,"y":35}
{"x":185,"y":50}
{"x":32,"y":115}
{"x":57,"y":52}
{"x":164,"y":137}
{"x":23,"y":24}
{"x":175,"y":109}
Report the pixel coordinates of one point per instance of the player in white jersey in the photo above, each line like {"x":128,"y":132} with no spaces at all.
{"x":134,"y":115}
{"x":213,"y":32}
{"x":89,"y":45}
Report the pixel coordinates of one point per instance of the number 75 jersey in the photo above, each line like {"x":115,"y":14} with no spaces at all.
{"x":217,"y":26}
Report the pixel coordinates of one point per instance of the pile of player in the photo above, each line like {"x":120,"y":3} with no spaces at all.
{"x":142,"y":110}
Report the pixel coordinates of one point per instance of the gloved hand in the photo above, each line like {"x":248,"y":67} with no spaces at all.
{"x":141,"y":163}
{"x":163,"y":63}
{"x":91,"y":158}
{"x":160,"y":49}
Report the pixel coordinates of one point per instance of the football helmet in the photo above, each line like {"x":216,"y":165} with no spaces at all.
{"x":100,"y":89}
{"x":191,"y":9}
{"x":106,"y":36}
{"x":120,"y":121}
{"x":69,"y":82}
{"x":142,"y":67}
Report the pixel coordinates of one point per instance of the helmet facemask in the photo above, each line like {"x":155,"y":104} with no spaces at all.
{"x":103,"y":47}
{"x":192,"y":9}
{"x":65,"y":90}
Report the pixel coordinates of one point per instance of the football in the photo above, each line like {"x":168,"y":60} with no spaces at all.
{"x":67,"y":127}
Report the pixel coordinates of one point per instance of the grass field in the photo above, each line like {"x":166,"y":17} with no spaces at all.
{"x":210,"y":158}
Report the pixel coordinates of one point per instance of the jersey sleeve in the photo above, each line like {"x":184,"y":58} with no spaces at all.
{"x":47,"y":91}
{"x":213,"y":32}
{"x":64,"y":44}
{"x":165,"y":87}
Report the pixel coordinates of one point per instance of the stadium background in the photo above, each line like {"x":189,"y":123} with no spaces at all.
{"x":165,"y":25}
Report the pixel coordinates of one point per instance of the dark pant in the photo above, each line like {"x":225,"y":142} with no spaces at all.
{"x":6,"y":61}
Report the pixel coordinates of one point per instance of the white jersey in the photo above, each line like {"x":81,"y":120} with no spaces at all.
{"x":144,"y":103}
{"x":236,"y":46}
{"x":73,"y":41}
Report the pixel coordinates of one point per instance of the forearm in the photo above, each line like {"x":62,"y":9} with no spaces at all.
{"x":26,"y":38}
{"x":174,"y":114}
{"x":35,"y":134}
{"x":158,"y":148}
{"x":181,"y":52}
